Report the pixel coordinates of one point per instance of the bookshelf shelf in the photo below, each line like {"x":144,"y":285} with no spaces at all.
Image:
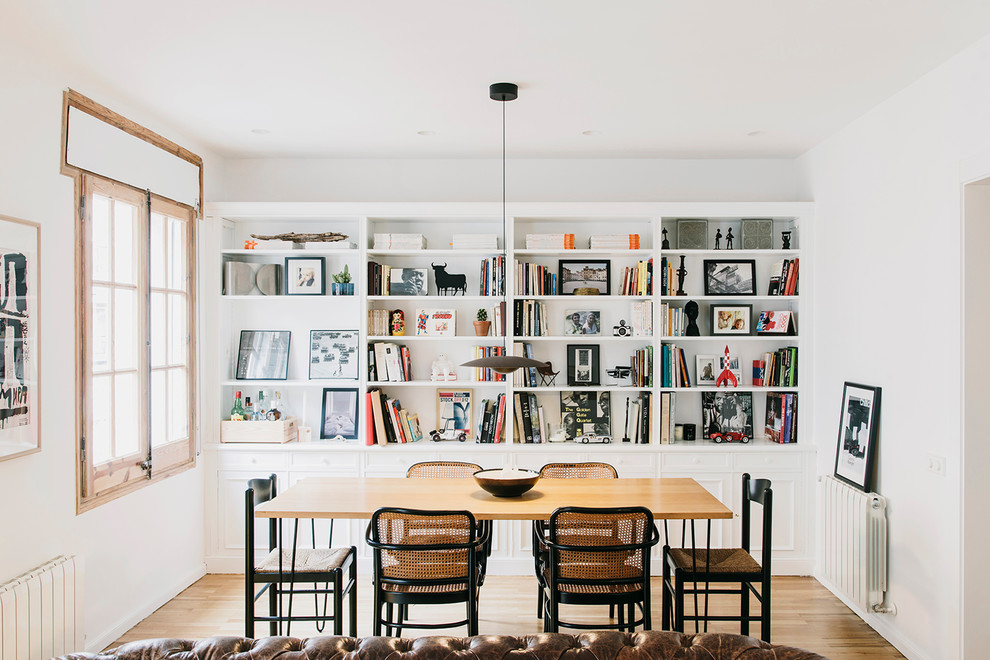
{"x":443,"y":252}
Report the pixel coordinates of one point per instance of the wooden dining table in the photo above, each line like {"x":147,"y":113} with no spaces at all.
{"x":360,"y":497}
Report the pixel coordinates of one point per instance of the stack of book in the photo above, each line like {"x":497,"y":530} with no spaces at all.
{"x":784,"y":278}
{"x":668,"y":281}
{"x":484,"y":374}
{"x":642,"y":367}
{"x":524,"y":377}
{"x":614,"y":242}
{"x":492,"y":279}
{"x":389,"y":362}
{"x":782,"y":413}
{"x":777,"y":369}
{"x":378,"y":276}
{"x":673,"y":367}
{"x":637,"y":280}
{"x":379,"y":322}
{"x":399,"y":242}
{"x":530,"y":318}
{"x":530,"y":426}
{"x":549,"y":241}
{"x":491,"y":418}
{"x":497,"y":316}
{"x":474,"y":241}
{"x":639,"y":418}
{"x":673,"y":321}
{"x":641,"y":318}
{"x":535,"y":280}
{"x":388,"y":422}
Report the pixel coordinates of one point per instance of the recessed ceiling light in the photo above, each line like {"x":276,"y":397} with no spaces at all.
{"x":426,"y":132}
{"x":756,"y":133}
{"x":260,"y":131}
{"x":591,"y":132}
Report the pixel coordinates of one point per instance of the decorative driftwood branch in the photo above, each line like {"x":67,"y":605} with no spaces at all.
{"x":325,"y":237}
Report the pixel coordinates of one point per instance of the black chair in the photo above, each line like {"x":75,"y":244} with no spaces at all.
{"x":587,"y":470}
{"x":724,"y":565}
{"x":424,"y":557}
{"x":283,"y":569}
{"x":598,"y":556}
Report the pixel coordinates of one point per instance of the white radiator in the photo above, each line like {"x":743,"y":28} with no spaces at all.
{"x":855,"y":552}
{"x":41,"y":612}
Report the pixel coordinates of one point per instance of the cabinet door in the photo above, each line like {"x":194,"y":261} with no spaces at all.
{"x":230,"y":507}
{"x":790,"y":526}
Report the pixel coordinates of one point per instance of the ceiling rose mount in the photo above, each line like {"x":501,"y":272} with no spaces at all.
{"x":503,"y":91}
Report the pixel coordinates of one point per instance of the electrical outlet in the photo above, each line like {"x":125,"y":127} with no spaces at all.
{"x":936,"y":464}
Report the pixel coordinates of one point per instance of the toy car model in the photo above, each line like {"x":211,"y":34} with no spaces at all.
{"x":592,"y":438}
{"x":448,"y":433}
{"x":729,"y":436}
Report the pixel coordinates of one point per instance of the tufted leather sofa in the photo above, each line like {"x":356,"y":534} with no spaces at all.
{"x":611,"y":645}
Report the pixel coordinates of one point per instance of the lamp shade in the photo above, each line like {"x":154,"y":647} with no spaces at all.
{"x":505,"y":364}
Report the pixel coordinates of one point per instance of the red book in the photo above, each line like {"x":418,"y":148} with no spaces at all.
{"x":793,"y":277}
{"x":369,"y":421}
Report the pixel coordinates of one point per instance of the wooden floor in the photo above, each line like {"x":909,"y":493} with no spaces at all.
{"x":805,"y":614}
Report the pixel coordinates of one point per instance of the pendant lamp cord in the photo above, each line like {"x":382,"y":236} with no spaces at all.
{"x":505,"y":248}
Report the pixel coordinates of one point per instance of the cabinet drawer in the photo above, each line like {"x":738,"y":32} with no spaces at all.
{"x":386,"y":463}
{"x":769,"y":460}
{"x":342,"y":463}
{"x":266,"y":461}
{"x":684,"y":461}
{"x":634,"y":465}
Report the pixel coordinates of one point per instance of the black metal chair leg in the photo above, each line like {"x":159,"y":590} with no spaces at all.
{"x":678,"y":603}
{"x":765,"y":609}
{"x":353,"y":594}
{"x":338,"y":603}
{"x":744,"y":609}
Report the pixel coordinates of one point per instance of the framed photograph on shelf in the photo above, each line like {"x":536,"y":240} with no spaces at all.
{"x":858,"y":421}
{"x":583,"y":364}
{"x":407,"y":282}
{"x":728,"y":413}
{"x":333,"y":354}
{"x":20,"y":244}
{"x":706,"y":372}
{"x":455,"y":409}
{"x":585,"y":276}
{"x":582,"y":322}
{"x":340,"y":410}
{"x":305,"y":276}
{"x":731,"y":319}
{"x":730,"y":277}
{"x":583,"y":412}
{"x":263,"y":355}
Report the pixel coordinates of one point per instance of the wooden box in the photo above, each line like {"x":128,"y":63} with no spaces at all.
{"x":283,"y":430}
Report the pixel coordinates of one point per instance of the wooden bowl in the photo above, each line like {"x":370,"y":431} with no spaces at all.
{"x":506,"y":483}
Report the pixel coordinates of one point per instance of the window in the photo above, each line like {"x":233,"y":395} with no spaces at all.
{"x":137,"y":320}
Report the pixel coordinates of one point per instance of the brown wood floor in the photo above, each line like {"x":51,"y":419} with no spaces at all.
{"x":805,"y":614}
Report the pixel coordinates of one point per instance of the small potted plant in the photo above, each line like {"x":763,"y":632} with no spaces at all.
{"x":482,"y":325}
{"x":342,"y":285}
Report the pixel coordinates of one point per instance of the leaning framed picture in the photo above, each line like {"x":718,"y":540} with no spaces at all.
{"x":583,"y":364}
{"x":305,"y":276}
{"x":333,"y":354}
{"x":731,"y":319}
{"x":339,"y":415}
{"x":455,"y":409}
{"x":858,"y":422}
{"x":705,"y":365}
{"x":582,"y":322}
{"x":263,"y":355}
{"x":727,"y":415}
{"x":583,"y":412}
{"x":585,"y":276}
{"x":20,"y":245}
{"x":730,"y":277}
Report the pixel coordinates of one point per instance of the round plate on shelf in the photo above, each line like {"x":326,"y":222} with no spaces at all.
{"x":269,"y":279}
{"x":238,"y":278}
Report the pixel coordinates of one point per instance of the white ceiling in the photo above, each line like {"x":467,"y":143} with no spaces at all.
{"x":360,"y":79}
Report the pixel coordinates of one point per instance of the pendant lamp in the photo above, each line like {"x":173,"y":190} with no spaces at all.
{"x":504,"y":364}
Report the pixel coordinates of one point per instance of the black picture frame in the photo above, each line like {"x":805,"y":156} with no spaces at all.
{"x":726,"y":318}
{"x":727,"y":411}
{"x":263,"y":355}
{"x":583,"y":364}
{"x":305,"y":276}
{"x":333,"y":354}
{"x":859,"y":420}
{"x":584,"y":273}
{"x":339,"y":413}
{"x":730,"y":277}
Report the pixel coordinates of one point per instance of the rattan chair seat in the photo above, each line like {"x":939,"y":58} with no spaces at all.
{"x":721,"y":560}
{"x":424,"y":588}
{"x":308,"y":560}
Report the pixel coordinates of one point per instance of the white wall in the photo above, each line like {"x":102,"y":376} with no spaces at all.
{"x":887,"y":312}
{"x":527,"y":180}
{"x":141,"y":549}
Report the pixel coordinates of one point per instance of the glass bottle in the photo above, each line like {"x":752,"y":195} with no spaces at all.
{"x":248,"y":409}
{"x":260,"y":409}
{"x":237,"y":412}
{"x":275,"y":412}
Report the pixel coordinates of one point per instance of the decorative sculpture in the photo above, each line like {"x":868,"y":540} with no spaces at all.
{"x":250,"y":245}
{"x":728,"y":239}
{"x":398,"y":323}
{"x":681,"y":272}
{"x":726,"y":376}
{"x":691,"y":311}
{"x":785,"y":239}
{"x":325,"y":237}
{"x":443,"y":369}
{"x":447,"y":282}
{"x":665,"y":245}
{"x":718,"y":238}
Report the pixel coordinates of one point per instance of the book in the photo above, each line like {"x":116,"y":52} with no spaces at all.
{"x":436,"y":322}
{"x":499,"y":418}
{"x":393,"y":407}
{"x":774,"y":416}
{"x":526,"y":418}
{"x":381,"y":367}
{"x":776,"y":273}
{"x":583,"y":412}
{"x":520,"y":432}
{"x":776,"y":322}
{"x":394,"y":362}
{"x":369,"y":419}
{"x":379,"y":415}
{"x":543,"y":424}
{"x":415,"y":430}
{"x":534,"y":411}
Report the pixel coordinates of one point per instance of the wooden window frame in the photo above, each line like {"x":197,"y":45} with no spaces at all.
{"x":127,"y":474}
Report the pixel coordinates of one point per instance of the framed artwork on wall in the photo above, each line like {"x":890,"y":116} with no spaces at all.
{"x":858,"y":421}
